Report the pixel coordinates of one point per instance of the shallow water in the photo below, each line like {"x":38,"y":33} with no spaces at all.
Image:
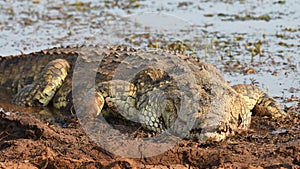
{"x":224,"y":33}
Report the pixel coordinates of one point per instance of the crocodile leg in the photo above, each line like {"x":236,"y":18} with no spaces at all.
{"x":121,"y":98}
{"x":41,"y":92}
{"x":158,"y":99}
{"x":258,"y":101}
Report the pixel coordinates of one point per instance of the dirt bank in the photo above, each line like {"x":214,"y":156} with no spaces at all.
{"x":28,"y":142}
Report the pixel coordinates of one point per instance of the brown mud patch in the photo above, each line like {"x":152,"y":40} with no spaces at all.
{"x":28,"y":142}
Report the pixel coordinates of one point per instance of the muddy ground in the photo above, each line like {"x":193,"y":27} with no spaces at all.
{"x":28,"y":142}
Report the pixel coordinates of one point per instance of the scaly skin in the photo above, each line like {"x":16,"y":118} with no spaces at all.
{"x":188,"y":97}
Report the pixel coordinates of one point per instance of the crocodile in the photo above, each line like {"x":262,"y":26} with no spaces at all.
{"x":162,"y":90}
